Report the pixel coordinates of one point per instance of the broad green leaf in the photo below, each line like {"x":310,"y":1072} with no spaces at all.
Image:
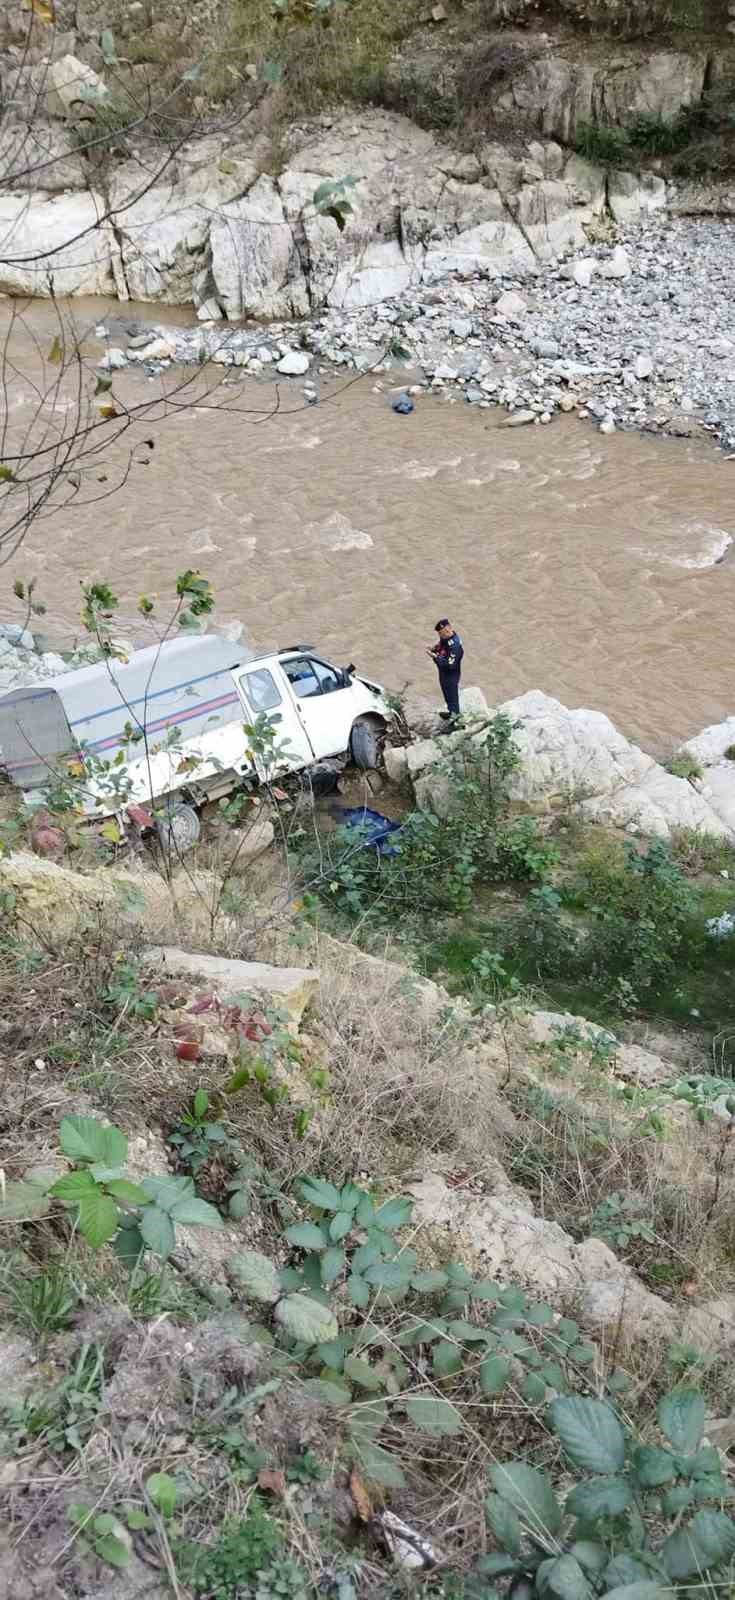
{"x":162,"y":1490}
{"x":137,"y":1520}
{"x":538,"y":1316}
{"x":530,"y":1493}
{"x":707,"y":1541}
{"x":625,"y":1570}
{"x":318,"y":1193}
{"x":71,"y":1187}
{"x":239,"y":1205}
{"x":565,"y":1578}
{"x":99,"y":1218}
{"x":129,"y":1244}
{"x":340,"y":1225}
{"x":367,"y":1417}
{"x":167,"y":1192}
{"x":435,"y":1416}
{"x":112,"y":1549}
{"x":446,"y":1359}
{"x":331,"y":1394}
{"x":333,"y":1261}
{"x":381,"y":1467}
{"x":385,"y":1244}
{"x":306,"y":1320}
{"x":653,"y":1466}
{"x":365,"y":1213}
{"x":677,"y":1499}
{"x":590,"y":1433}
{"x":583,"y":1353}
{"x":258,"y":1276}
{"x":458,"y":1275}
{"x":599,"y":1497}
{"x":485,"y":1289}
{"x":130,"y":1193}
{"x":515,"y":1344}
{"x":388,"y":1275}
{"x":681,"y":1418}
{"x":88,"y":1139}
{"x":358,"y":1291}
{"x":714,"y":1536}
{"x":362,"y":1373}
{"x":429,"y":1282}
{"x":533,"y":1389}
{"x":332,"y":1353}
{"x":104,"y":1174}
{"x":395,"y":1213}
{"x":645,"y":1590}
{"x":157,"y":1230}
{"x":365,"y":1256}
{"x":704,"y":1463}
{"x":307,"y":1236}
{"x":589,"y":1554}
{"x":349,"y":1197}
{"x":468,"y":1331}
{"x":196,"y":1213}
{"x":504,"y":1523}
{"x":553,"y":1375}
{"x":495,"y":1374}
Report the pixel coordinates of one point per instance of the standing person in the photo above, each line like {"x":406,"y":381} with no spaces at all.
{"x":448,"y":653}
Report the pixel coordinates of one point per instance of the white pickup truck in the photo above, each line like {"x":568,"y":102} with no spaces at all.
{"x":172,"y":719}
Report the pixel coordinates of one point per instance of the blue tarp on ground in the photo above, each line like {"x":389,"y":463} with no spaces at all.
{"x":379,"y":832}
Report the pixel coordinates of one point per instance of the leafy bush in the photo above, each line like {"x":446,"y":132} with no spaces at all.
{"x":440,"y":860}
{"x":607,"y":147}
{"x":468,"y":1336}
{"x":639,"y":904}
{"x":106,"y":1205}
{"x":608,"y":1538}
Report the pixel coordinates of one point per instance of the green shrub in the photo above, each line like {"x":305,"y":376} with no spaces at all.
{"x":244,"y":1549}
{"x":684,"y":766}
{"x":639,"y":905}
{"x":606,"y":147}
{"x":629,"y":1527}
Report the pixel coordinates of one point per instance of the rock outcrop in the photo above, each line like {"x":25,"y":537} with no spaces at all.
{"x":578,"y":759}
{"x":216,"y":229}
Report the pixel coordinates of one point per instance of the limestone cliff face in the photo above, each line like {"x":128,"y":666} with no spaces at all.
{"x":96,"y":197}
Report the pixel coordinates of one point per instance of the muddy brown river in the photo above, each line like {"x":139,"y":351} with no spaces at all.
{"x":595,"y":568}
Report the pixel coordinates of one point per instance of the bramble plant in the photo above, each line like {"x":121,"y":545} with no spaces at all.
{"x":106,"y":1206}
{"x":608,"y":1538}
{"x":615,"y":1221}
{"x":195,"y":1138}
{"x":473,"y":1333}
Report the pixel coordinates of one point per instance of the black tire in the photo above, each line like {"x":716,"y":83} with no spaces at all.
{"x":366,"y":744}
{"x":178,"y":829}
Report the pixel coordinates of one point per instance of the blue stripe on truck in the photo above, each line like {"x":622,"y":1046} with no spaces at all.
{"x":145,"y":699}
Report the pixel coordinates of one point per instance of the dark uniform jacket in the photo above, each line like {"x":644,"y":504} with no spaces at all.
{"x":448,"y":655}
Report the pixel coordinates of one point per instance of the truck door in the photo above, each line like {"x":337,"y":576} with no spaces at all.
{"x":261,"y":692}
{"x":324,"y":702}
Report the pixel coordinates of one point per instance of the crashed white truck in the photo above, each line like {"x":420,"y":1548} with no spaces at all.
{"x":165,"y":729}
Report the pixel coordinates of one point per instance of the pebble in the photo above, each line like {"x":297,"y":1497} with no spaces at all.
{"x":643,"y":366}
{"x":113,"y":359}
{"x":511,"y":305}
{"x":519,"y":419}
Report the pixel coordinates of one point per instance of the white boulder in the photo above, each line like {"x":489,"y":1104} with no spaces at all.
{"x":578,"y":759}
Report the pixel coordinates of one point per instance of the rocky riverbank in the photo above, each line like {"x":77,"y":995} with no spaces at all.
{"x":634,"y":332}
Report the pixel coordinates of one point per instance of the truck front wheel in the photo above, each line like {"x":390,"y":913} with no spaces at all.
{"x":366,"y":743}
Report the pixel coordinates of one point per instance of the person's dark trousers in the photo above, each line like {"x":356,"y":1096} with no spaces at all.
{"x":450,"y":689}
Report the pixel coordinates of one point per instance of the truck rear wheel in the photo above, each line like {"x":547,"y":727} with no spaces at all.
{"x":178,"y":829}
{"x":366,"y":743}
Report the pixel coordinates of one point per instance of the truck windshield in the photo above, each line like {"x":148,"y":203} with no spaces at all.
{"x":261,"y":689}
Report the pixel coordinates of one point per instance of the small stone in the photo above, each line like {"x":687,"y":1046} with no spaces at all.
{"x":545,"y":416}
{"x":546,"y":349}
{"x":155,"y":350}
{"x":460,"y":328}
{"x":607,"y":425}
{"x":519,"y":419}
{"x":264,"y":354}
{"x":445,"y":373}
{"x":511,"y":305}
{"x":294,"y":364}
{"x":643,"y":366}
{"x":619,"y":264}
{"x":567,"y":402}
{"x":13,"y":634}
{"x":113,"y":359}
{"x":583,"y":272}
